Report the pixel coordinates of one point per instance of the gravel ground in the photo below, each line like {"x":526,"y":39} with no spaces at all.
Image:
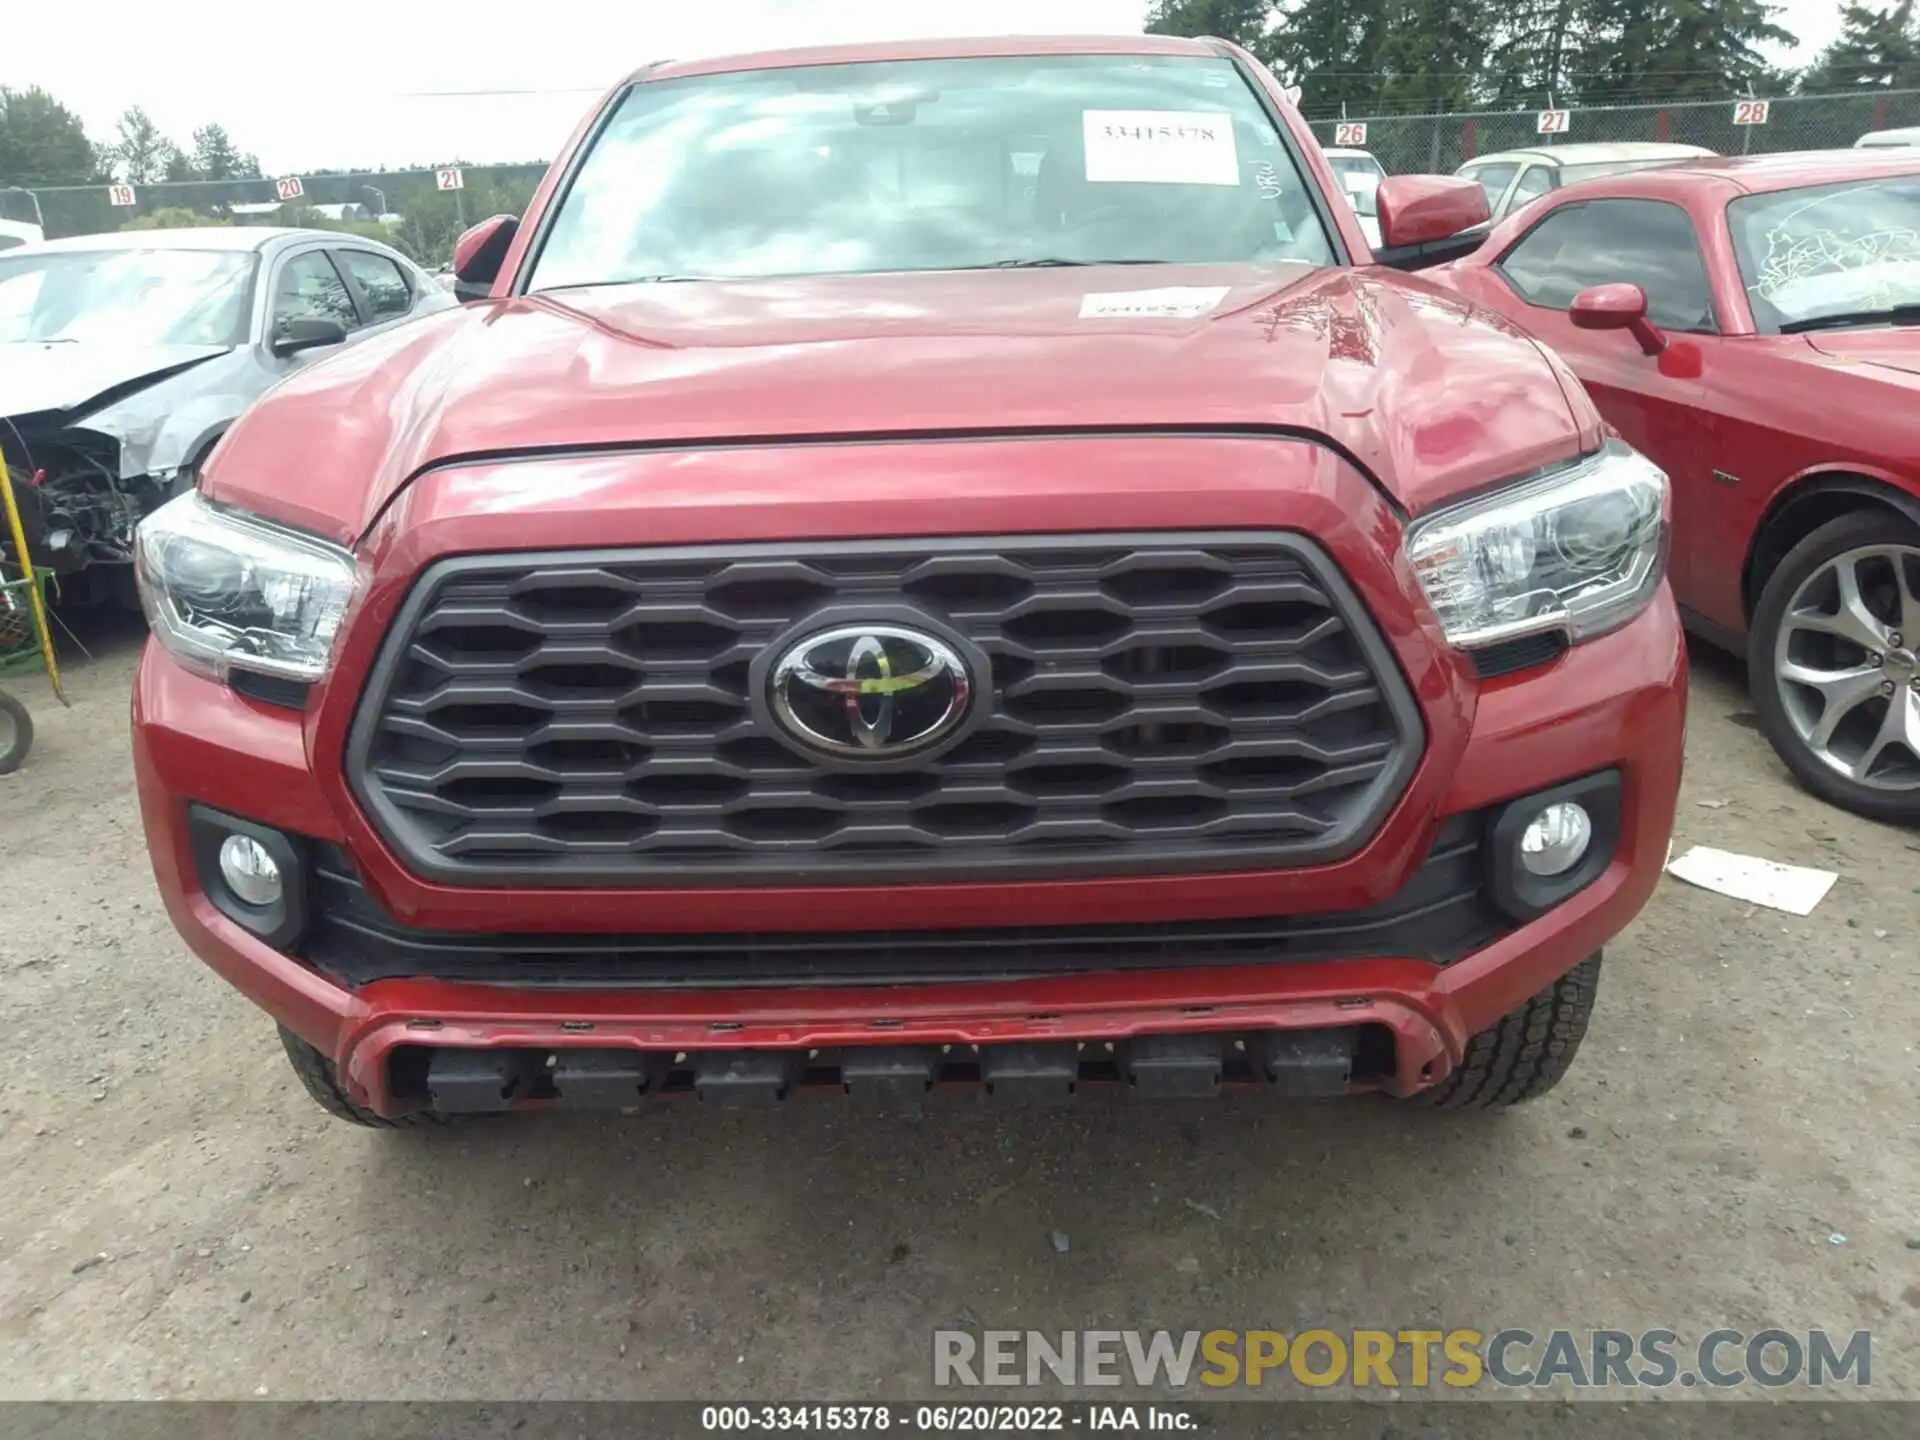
{"x":1736,"y":1146}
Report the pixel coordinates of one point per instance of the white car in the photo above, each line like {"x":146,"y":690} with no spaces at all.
{"x":1359,"y":175}
{"x":1904,"y":138}
{"x":1513,"y":177}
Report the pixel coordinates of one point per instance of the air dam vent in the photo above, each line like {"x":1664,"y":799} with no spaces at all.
{"x":1136,"y":703}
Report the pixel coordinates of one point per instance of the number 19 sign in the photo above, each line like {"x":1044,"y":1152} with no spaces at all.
{"x":1551,"y":122}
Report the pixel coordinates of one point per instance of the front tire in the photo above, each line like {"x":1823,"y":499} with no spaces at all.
{"x":1832,"y":663}
{"x":1524,"y":1054}
{"x":16,"y":733}
{"x":322,"y":1081}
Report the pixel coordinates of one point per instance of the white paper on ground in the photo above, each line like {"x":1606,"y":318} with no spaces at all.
{"x":1160,"y":147}
{"x":1792,"y":888}
{"x":1171,"y":302}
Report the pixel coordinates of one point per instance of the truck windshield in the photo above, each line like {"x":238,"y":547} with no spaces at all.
{"x":126,"y":297}
{"x":932,"y":165}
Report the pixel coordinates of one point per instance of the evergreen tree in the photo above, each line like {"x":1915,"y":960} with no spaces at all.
{"x":1875,"y":49}
{"x":1244,"y":22}
{"x":42,"y":142}
{"x":1646,"y":50}
{"x":1434,"y":54}
{"x":1536,"y":52}
{"x":213,"y":153}
{"x":1335,"y":50}
{"x":142,"y":151}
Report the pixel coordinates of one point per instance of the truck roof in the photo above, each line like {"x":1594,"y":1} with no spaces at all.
{"x":972,"y":47}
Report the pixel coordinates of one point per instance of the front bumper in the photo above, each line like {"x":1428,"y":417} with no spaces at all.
{"x":1615,"y":703}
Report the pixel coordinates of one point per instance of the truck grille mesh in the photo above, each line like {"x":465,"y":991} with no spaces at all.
{"x":1158,"y":702}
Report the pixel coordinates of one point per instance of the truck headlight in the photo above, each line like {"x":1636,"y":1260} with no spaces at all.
{"x":227,"y":591}
{"x":1581,"y":549}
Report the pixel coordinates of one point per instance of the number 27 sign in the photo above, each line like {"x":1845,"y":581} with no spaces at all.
{"x":1551,"y":122}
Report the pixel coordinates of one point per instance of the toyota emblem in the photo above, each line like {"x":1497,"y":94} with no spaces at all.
{"x":877,"y":692}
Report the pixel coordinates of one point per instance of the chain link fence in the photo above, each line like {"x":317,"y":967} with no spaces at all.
{"x":1437,"y":144}
{"x":412,"y":209}
{"x":415,"y":210}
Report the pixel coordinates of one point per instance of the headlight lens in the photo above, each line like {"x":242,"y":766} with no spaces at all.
{"x":1581,"y":550}
{"x":226,"y":591}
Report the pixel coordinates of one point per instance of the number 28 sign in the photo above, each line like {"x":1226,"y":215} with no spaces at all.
{"x":1551,"y":122}
{"x":1751,"y":112}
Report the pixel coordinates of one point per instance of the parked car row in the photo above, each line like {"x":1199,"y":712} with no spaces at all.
{"x":1753,"y":325}
{"x":124,"y":357}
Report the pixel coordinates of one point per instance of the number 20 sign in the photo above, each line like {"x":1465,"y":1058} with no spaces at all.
{"x":1551,"y":122}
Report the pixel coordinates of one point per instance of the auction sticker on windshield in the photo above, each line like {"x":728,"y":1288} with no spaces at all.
{"x":1160,"y":147}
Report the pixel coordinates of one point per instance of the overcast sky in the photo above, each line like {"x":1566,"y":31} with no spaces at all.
{"x":316,"y":85}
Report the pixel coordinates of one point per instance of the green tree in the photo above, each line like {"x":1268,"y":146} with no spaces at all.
{"x":180,"y":165}
{"x":1433,"y":54}
{"x":142,"y":151}
{"x":1536,"y":52}
{"x":1676,"y":49}
{"x":42,"y":142}
{"x":1244,"y":22}
{"x":1332,"y":49}
{"x":216,"y":158}
{"x":1875,"y":49}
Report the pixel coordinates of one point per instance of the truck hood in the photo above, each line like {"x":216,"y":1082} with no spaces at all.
{"x":1429,"y":395}
{"x":70,"y":379}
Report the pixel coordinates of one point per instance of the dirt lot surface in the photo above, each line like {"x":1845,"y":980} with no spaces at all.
{"x":1735,"y":1147}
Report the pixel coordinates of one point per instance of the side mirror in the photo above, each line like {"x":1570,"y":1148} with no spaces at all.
{"x":477,"y":255}
{"x":306,"y":332}
{"x":1617,"y":307}
{"x":1419,"y":209}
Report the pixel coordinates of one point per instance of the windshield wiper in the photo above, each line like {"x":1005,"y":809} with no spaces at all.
{"x":1892,"y":315}
{"x":1049,"y":262}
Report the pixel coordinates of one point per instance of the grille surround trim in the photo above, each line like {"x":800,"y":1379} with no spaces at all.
{"x":1441,"y":913}
{"x":812,"y":865}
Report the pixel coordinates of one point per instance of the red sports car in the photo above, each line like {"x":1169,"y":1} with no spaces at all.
{"x":1753,"y":325}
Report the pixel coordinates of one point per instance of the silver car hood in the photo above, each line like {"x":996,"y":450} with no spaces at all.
{"x":37,"y":376}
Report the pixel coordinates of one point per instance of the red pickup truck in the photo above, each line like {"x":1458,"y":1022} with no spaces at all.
{"x":938,"y":562}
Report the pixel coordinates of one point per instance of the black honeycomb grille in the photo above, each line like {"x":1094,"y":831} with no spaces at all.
{"x":1156,"y":702}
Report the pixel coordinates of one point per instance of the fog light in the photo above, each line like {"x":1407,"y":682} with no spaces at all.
{"x":250,"y":872}
{"x":1553,"y":842}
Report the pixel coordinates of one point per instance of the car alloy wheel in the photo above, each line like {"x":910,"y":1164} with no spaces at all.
{"x":1846,"y":669}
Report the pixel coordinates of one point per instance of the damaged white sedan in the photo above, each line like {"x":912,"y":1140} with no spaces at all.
{"x":124,"y":357}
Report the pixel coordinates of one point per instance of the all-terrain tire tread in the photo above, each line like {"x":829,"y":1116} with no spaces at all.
{"x":1524,"y":1055}
{"x":322,"y":1082}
